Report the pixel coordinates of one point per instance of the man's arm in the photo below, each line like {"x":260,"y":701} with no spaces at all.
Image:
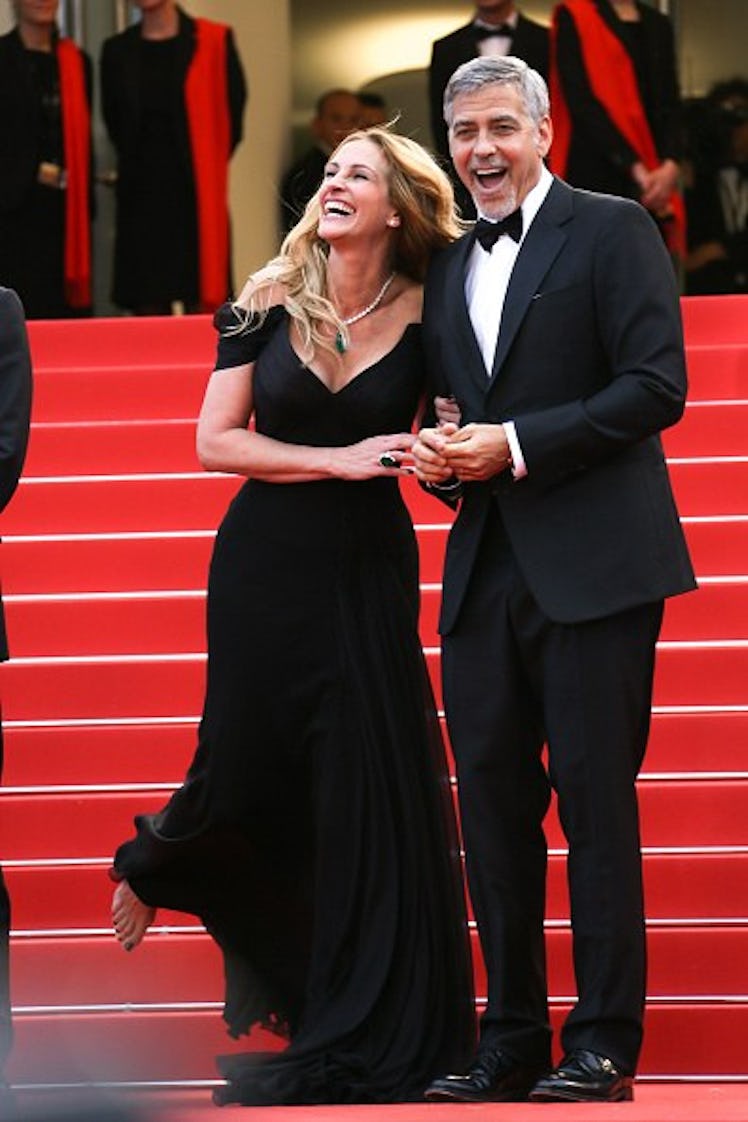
{"x":639,"y":339}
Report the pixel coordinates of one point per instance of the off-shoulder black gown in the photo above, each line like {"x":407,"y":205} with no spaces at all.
{"x":314,"y":833}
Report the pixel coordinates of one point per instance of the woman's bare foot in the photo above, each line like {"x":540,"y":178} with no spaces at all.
{"x":131,"y":917}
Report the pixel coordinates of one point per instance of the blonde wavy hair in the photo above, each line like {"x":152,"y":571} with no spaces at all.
{"x":423,"y":197}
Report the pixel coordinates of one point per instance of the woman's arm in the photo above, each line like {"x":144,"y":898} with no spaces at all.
{"x":225,"y":443}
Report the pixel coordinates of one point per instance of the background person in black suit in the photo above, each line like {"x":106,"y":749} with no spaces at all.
{"x":373,"y":109}
{"x":337,"y":113}
{"x":15,"y":413}
{"x":497,"y":28}
{"x":717,"y":192}
{"x":566,"y":543}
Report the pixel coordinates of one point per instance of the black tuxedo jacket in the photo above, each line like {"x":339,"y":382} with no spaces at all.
{"x":15,"y":406}
{"x":590,"y":367}
{"x":529,"y":42}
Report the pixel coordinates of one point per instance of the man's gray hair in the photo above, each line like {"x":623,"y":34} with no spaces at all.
{"x":492,"y":70}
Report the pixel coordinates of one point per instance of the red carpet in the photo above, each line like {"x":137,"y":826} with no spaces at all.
{"x":104,"y":558}
{"x":652,"y":1103}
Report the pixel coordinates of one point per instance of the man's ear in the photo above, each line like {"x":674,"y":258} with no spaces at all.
{"x":545,"y":137}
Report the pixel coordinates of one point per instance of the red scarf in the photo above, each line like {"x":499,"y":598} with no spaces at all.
{"x":209,"y":122}
{"x":76,"y":138}
{"x":612,"y":79}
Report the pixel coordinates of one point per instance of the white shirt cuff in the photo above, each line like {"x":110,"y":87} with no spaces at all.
{"x":519,"y":467}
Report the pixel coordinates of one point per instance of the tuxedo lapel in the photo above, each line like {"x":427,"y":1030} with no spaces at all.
{"x":470,"y":359}
{"x":544,"y":241}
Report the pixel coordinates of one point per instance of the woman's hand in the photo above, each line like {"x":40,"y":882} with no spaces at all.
{"x":377,"y":455}
{"x":659,"y":186}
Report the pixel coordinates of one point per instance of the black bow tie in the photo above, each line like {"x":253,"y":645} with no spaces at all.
{"x":486,"y":32}
{"x":488,"y":233}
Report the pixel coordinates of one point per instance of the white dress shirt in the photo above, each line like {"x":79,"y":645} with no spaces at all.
{"x":497,"y":45}
{"x":486,"y":283}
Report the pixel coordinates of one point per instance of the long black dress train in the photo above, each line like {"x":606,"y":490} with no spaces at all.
{"x":314,"y":832}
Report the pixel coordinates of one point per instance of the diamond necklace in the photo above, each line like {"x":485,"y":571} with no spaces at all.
{"x":341,"y":345}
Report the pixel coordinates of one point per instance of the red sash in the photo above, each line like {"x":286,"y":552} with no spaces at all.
{"x":209,"y":123}
{"x":612,"y":79}
{"x":76,"y":138}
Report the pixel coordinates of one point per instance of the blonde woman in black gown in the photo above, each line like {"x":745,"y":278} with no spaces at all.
{"x":314,"y":834}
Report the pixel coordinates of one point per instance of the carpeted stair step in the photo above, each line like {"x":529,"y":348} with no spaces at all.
{"x":78,"y":504}
{"x":172,"y":685}
{"x":710,"y":321}
{"x":50,"y":755}
{"x":120,"y":563}
{"x":717,"y":369}
{"x":710,"y":428}
{"x":689,"y":1037}
{"x":179,"y":559}
{"x":112,"y":447}
{"x":674,"y":812}
{"x":168,"y":967}
{"x":123,"y":393}
{"x":717,"y":610}
{"x":680,"y":885}
{"x":174,"y":621}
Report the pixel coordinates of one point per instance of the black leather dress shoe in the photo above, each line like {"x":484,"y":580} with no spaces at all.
{"x":584,"y":1077}
{"x":493,"y":1078}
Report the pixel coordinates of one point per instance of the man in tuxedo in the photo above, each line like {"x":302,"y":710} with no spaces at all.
{"x":15,"y":412}
{"x":559,"y":335}
{"x":497,"y":28}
